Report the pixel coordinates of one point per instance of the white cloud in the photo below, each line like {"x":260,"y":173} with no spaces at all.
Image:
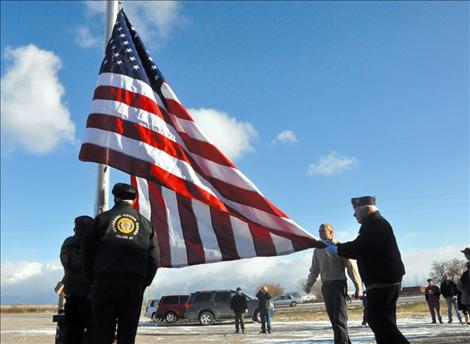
{"x":232,"y":137}
{"x":411,"y":235}
{"x":34,"y":117}
{"x":29,"y":282}
{"x":332,"y":164}
{"x":152,"y":19}
{"x":286,"y":136}
{"x":84,"y":37}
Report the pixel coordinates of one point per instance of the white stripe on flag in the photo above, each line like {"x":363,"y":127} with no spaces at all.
{"x":175,"y":232}
{"x":281,"y":244}
{"x":144,"y":199}
{"x":206,"y":232}
{"x":243,"y":238}
{"x":127,"y":83}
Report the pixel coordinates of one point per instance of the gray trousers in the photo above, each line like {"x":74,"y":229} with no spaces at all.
{"x":334,"y":296}
{"x":452,"y":302}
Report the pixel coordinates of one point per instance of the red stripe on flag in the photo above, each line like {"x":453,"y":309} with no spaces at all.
{"x":127,"y":97}
{"x":205,"y":149}
{"x":160,"y":222}
{"x":264,"y":245}
{"x":223,"y":231}
{"x":137,"y":132}
{"x":177,"y":109}
{"x":193,"y":242}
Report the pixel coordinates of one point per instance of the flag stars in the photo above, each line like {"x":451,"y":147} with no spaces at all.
{"x":153,"y":67}
{"x":125,"y":43}
{"x":119,"y":28}
{"x":116,"y":54}
{"x":119,"y":62}
{"x":132,"y":58}
{"x":113,"y":47}
{"x":135,"y":67}
{"x":122,"y":35}
{"x":128,"y":50}
{"x":150,"y":58}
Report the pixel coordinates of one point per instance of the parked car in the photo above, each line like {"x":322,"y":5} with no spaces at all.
{"x":287,"y":300}
{"x":209,"y":306}
{"x":151,"y":308}
{"x":170,"y":308}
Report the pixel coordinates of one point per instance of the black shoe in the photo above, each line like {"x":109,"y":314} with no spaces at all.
{"x":440,"y":320}
{"x":243,"y":330}
{"x":237,"y":331}
{"x":269,"y":332}
{"x":262,"y":332}
{"x":433,"y":322}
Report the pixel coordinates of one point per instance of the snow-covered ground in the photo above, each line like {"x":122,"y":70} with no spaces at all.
{"x":38,"y":329}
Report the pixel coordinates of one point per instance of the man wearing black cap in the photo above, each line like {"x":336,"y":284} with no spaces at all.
{"x":76,"y":286}
{"x":380,"y":266}
{"x":120,"y":255}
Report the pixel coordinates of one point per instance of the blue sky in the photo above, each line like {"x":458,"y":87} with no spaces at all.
{"x":327,"y":101}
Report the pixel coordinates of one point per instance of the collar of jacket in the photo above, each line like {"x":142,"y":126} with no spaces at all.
{"x":372,"y":217}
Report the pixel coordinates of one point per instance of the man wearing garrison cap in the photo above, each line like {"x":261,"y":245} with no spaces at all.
{"x":380,"y":266}
{"x":76,"y":286}
{"x":120,"y":255}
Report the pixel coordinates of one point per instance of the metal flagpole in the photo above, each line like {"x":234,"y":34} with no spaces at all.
{"x":102,"y":187}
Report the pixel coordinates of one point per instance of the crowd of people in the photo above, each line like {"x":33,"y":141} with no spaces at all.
{"x":111,"y":259}
{"x":456,"y":295}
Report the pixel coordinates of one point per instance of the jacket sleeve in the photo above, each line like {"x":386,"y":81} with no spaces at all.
{"x":245,"y":305}
{"x":314,"y":271}
{"x":353,"y":249}
{"x":153,"y":261}
{"x":353,"y":273}
{"x":426,"y":294}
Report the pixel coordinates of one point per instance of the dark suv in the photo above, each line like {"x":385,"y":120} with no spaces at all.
{"x":209,"y":306}
{"x":171,"y":308}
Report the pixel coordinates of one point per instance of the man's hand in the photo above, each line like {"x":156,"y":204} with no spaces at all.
{"x":307,"y":289}
{"x":358,"y":294}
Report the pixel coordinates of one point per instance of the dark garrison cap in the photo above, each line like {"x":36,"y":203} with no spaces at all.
{"x":466,"y":251}
{"x":124,"y":191}
{"x":364,"y":200}
{"x":83,"y":221}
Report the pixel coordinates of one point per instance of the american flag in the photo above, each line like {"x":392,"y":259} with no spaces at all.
{"x":203,"y":208}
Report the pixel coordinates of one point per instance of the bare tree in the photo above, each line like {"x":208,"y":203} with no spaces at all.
{"x":274,"y":289}
{"x":453,"y":268}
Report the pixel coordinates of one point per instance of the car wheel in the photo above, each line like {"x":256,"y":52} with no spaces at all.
{"x":293,"y":304}
{"x":171,"y":317}
{"x":257,"y":316}
{"x":206,"y":318}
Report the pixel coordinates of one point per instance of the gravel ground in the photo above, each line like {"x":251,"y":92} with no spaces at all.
{"x":38,"y":329}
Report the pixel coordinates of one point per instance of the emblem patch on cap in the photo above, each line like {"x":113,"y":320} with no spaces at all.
{"x":125,"y":224}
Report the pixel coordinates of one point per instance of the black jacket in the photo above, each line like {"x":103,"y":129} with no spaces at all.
{"x":121,"y":247}
{"x":449,"y":289}
{"x":376,"y":251}
{"x":263,"y":300}
{"x":75,"y":280}
{"x":238,"y":303}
